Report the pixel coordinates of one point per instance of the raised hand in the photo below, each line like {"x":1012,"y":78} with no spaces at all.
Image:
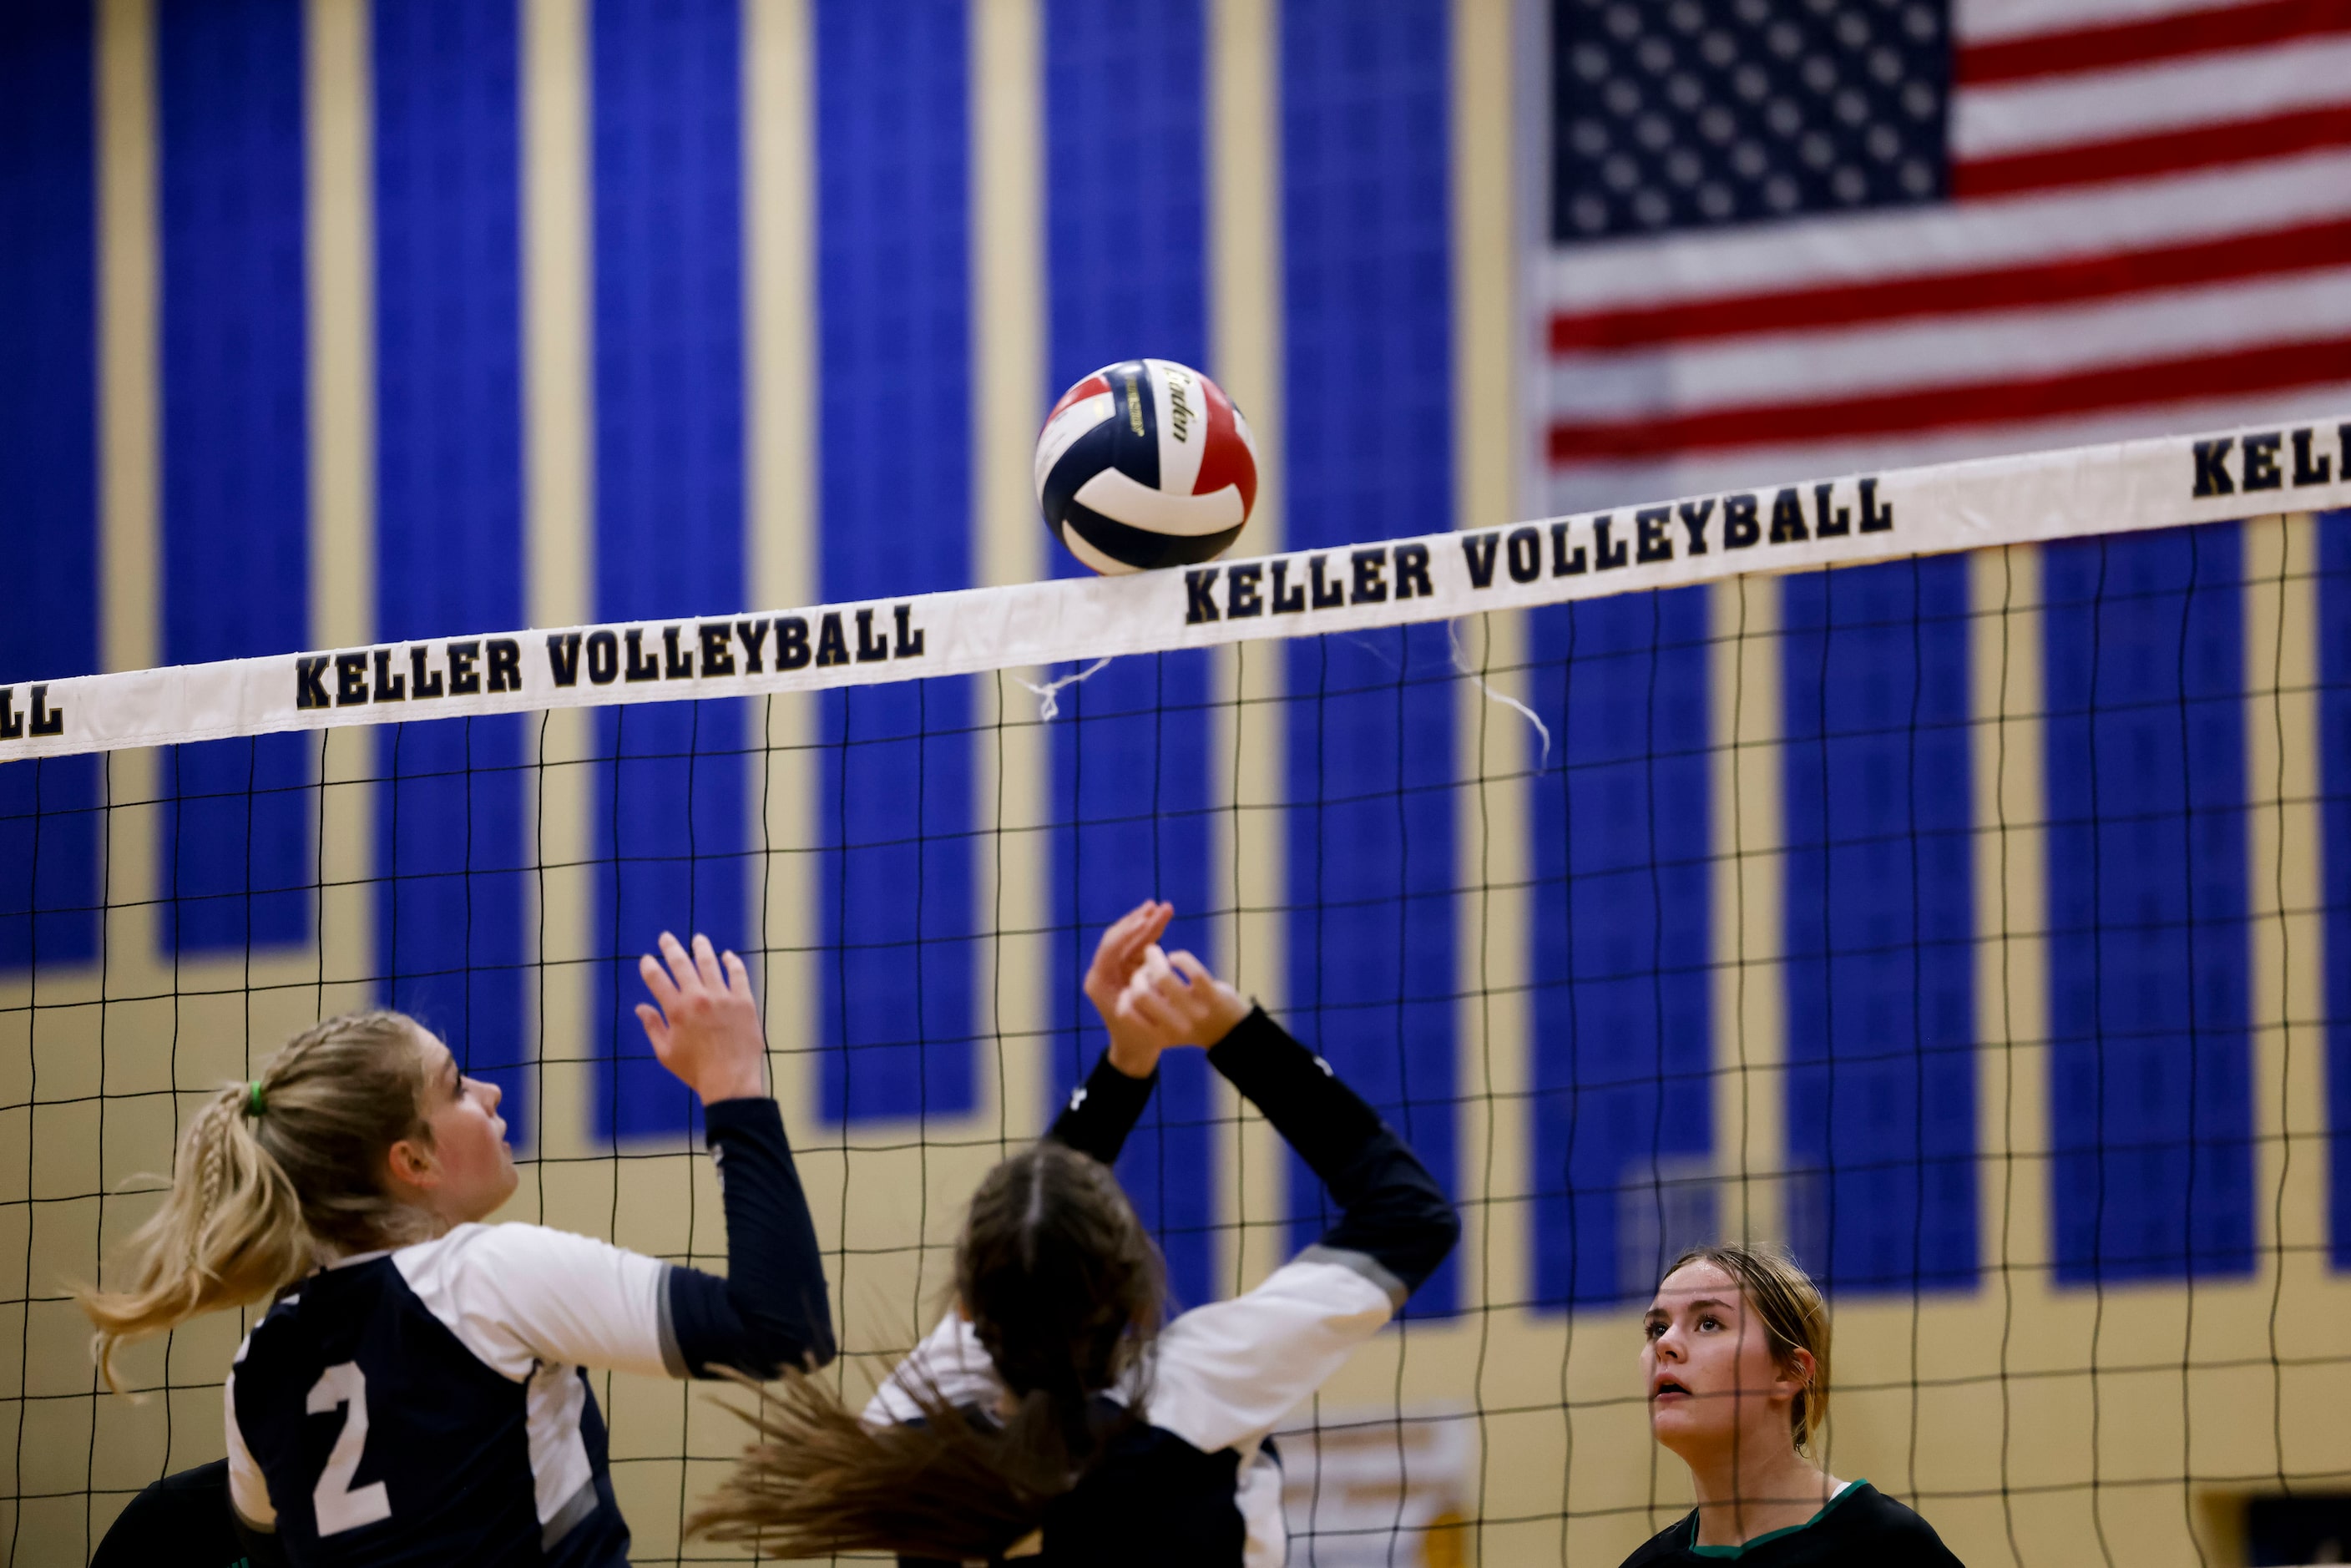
{"x":1173,"y":1000}
{"x":706,"y":1027}
{"x":1116,"y":958}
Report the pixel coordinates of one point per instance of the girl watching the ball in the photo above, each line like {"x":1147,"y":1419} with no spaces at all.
{"x":1734,"y":1358}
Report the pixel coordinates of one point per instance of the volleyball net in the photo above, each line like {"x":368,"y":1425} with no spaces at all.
{"x":1946,"y":874}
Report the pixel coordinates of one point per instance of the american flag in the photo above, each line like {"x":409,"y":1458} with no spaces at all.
{"x":1812,"y":236}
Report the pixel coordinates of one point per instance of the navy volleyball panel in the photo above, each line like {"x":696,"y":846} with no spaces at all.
{"x":1140,"y":548}
{"x":672,"y":814}
{"x":1881,"y":1113}
{"x":1623,"y":1114}
{"x":235,"y":853}
{"x":2334,"y":856}
{"x":49,"y":826}
{"x":1134,"y":818}
{"x":2150,"y":985}
{"x":896,"y":887}
{"x":451,"y":901}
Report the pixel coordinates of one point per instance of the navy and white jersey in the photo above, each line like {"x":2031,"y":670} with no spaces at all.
{"x":1198,"y":1482}
{"x":431,"y":1404}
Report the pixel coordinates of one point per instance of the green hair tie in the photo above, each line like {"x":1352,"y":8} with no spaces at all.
{"x":253,"y":1098}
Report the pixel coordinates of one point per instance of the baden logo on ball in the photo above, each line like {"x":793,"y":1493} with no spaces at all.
{"x":1145,"y":463}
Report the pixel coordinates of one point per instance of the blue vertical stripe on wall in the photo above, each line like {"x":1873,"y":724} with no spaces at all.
{"x":48,"y":466}
{"x":673,"y":825}
{"x":452,"y":895}
{"x":1880,"y":930}
{"x":1368,"y":404}
{"x":2335,"y":857}
{"x":893,"y":281}
{"x":1623,"y":1110}
{"x":1127,"y":252}
{"x":235,"y":571}
{"x":2150,"y":1098}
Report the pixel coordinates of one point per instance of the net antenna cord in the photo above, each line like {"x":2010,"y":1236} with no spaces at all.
{"x":2129,"y":486}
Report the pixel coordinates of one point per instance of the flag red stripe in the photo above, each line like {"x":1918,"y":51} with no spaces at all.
{"x":2270,"y":368}
{"x":2165,"y":152}
{"x":2143,"y":42}
{"x":2233,"y":257}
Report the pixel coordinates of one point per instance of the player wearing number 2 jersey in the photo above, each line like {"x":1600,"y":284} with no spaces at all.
{"x":417,"y":1391}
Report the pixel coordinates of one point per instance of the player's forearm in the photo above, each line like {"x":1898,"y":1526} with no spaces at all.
{"x":1393,"y":1210}
{"x":1103,"y":1110}
{"x":771,"y":1311}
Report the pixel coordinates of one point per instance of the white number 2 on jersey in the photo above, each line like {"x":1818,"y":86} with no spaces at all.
{"x":340,"y":1505}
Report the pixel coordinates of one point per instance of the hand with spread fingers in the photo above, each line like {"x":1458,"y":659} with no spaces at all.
{"x":1173,"y":1000}
{"x":703,"y":1024}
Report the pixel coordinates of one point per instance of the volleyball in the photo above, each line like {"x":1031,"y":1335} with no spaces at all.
{"x":1144,"y":464}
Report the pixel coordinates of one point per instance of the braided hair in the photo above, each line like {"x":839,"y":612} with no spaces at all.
{"x":270,"y":1175}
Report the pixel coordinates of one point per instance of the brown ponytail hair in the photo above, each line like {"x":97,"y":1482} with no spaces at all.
{"x":1065,"y":1290}
{"x":271,"y":1173}
{"x":1789,"y":1305}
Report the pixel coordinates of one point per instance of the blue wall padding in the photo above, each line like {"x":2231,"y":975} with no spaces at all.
{"x":1368,"y":412}
{"x":48,"y":466}
{"x":235,"y":851}
{"x":2334,"y":858}
{"x":673,"y":829}
{"x":2149,"y":953}
{"x":1126,"y":258}
{"x":1134,"y":815}
{"x":895,"y":881}
{"x":1622,"y":941}
{"x":1880,"y":944}
{"x":453,"y":898}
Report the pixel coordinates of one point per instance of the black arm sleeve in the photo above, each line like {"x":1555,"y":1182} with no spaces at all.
{"x":1102,"y":1111}
{"x":1394,"y":1213}
{"x":770,"y":1312}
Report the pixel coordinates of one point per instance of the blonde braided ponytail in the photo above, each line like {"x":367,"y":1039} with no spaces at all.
{"x":271,"y":1174}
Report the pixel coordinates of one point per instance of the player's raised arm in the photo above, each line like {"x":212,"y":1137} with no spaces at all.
{"x":1241,"y":1364}
{"x":1102,"y":1111}
{"x":770,"y":1312}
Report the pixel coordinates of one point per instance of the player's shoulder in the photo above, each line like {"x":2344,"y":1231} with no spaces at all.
{"x":508,"y":1253}
{"x":1667,"y":1545}
{"x":1863,"y":1516}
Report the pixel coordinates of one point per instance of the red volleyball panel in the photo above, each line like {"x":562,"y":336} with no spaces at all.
{"x":1084,"y":389}
{"x":1226,"y":460}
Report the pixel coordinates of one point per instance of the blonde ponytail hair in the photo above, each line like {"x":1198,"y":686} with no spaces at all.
{"x":270,"y":1175}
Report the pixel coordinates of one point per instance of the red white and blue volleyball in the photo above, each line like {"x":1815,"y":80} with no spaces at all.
{"x":1144,"y":464}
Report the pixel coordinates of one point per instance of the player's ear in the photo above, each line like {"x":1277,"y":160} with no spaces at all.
{"x":412,"y":1164}
{"x":1796,"y":1369}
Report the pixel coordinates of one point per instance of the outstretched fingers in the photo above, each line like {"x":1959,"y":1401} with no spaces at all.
{"x":706,"y":964}
{"x":738,"y":977}
{"x":657,"y":980}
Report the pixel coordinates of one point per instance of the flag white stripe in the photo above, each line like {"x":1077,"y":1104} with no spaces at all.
{"x":1916,"y":355}
{"x":1868,"y":247}
{"x":1588,"y":486}
{"x":2140,"y":101}
{"x":1993,"y":21}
